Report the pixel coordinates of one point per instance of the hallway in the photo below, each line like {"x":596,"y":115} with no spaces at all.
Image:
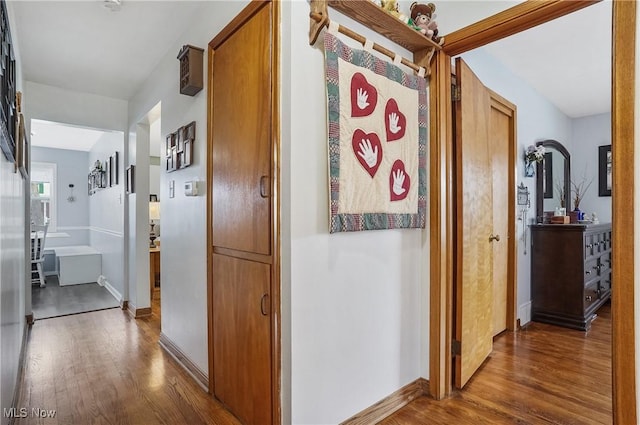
{"x":106,"y":368}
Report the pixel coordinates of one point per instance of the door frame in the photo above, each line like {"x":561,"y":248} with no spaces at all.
{"x":276,"y":351}
{"x":442,"y":255}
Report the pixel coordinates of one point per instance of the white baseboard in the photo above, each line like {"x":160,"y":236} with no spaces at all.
{"x":524,"y":313}
{"x":104,"y":282}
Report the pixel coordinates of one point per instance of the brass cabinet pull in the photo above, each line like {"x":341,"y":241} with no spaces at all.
{"x":264,"y":190}
{"x":494,"y":238}
{"x":263,"y":304}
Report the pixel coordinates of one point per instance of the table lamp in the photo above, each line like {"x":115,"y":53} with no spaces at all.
{"x":154,"y":214}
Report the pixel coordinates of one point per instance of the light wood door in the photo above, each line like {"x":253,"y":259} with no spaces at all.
{"x":474,"y":279}
{"x":242,"y":339}
{"x":501,"y":139}
{"x":241,"y":113}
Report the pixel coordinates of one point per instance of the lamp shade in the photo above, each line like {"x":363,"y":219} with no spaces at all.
{"x":154,"y":210}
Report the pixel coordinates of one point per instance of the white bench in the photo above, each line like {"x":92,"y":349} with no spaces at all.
{"x":78,"y":264}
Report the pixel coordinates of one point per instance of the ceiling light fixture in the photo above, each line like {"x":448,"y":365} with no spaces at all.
{"x":112,"y":5}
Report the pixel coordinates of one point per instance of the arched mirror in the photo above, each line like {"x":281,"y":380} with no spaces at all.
{"x":553,"y":179}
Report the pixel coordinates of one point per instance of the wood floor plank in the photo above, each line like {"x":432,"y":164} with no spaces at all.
{"x":543,"y":374}
{"x":104,"y":367}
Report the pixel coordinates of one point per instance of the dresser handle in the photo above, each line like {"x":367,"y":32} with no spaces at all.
{"x":588,"y":272}
{"x":588,"y":298}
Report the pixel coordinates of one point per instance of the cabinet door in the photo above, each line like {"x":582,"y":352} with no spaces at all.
{"x":241,"y":143}
{"x":242,"y":338}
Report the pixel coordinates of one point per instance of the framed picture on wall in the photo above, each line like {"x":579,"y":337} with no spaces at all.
{"x":604,"y":170}
{"x":130,"y":180}
{"x":110,"y":171}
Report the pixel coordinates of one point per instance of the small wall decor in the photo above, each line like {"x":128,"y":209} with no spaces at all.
{"x":604,"y":170}
{"x":190,"y":58}
{"x":116,"y":167}
{"x":179,"y":147}
{"x":129,"y":184}
{"x":377,"y":141}
{"x":97,"y":178}
{"x":8,"y":118}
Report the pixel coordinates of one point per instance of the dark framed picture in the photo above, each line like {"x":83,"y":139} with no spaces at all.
{"x":107,"y":172}
{"x":153,"y":198}
{"x":604,"y":170}
{"x":110,"y":178}
{"x":129,"y":186}
{"x":116,"y":168}
{"x":547,"y":178}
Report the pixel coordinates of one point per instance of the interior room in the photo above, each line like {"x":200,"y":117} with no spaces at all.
{"x":74,"y":192}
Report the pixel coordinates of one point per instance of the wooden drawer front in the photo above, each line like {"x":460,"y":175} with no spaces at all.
{"x":605,"y":263}
{"x":591,"y":244}
{"x":606,"y":241}
{"x":605,"y":285}
{"x":591,"y":270}
{"x":591,"y":295}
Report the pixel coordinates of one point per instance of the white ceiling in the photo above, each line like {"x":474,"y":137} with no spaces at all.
{"x":48,"y":134}
{"x":82,"y":46}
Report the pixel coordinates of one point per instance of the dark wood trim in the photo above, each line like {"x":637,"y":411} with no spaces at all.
{"x":242,"y":17}
{"x":388,"y":405}
{"x":29,"y":319}
{"x":137,"y":313}
{"x":511,"y":21}
{"x":183,"y":360}
{"x":440,"y":223}
{"x":124,"y":304}
{"x":209,"y":93}
{"x":623,"y":187}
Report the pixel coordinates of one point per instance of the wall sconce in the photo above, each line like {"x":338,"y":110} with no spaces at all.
{"x":71,"y":198}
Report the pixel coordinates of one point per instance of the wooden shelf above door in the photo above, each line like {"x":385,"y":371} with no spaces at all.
{"x":375,"y":18}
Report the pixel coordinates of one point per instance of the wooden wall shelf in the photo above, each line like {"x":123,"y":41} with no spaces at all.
{"x":372,"y":16}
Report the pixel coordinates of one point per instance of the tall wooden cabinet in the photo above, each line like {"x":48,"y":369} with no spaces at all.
{"x":242,"y":317}
{"x":570,"y":273}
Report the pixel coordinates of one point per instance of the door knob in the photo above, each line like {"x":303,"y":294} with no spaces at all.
{"x":494,"y":238}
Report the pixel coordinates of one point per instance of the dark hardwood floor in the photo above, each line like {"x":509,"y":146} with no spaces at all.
{"x":541,"y":375}
{"x":106,"y":368}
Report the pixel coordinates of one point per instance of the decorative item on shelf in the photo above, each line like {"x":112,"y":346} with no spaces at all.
{"x":532,"y":155}
{"x":154,"y":214}
{"x":423,"y":19}
{"x":190,"y":58}
{"x":179,"y":147}
{"x":579,"y":189}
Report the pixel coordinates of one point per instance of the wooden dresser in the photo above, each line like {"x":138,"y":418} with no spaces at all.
{"x":570,"y":272}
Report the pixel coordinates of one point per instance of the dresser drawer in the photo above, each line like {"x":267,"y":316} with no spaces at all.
{"x":605,"y":263}
{"x":591,"y":268}
{"x":591,"y":245}
{"x":605,"y":284}
{"x":591,"y":295}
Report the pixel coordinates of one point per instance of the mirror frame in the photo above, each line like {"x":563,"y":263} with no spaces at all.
{"x":539,"y":173}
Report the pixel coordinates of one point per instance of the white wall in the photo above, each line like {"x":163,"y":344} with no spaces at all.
{"x":13,"y":267}
{"x":538,"y":120}
{"x":72,"y":217}
{"x":356,"y":298}
{"x":183,"y":253}
{"x":589,"y":133}
{"x":106,"y":213}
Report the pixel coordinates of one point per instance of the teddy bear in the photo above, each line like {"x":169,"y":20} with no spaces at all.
{"x":391,"y":6}
{"x":423,"y":19}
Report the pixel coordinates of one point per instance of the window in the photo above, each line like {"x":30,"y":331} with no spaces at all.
{"x":43,"y":194}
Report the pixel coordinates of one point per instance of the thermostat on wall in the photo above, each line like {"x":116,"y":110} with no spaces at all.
{"x":191,"y":188}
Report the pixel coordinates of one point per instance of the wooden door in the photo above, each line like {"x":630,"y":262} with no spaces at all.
{"x":242,"y":319}
{"x":241,"y":342}
{"x":502,"y":134}
{"x":473,"y":327}
{"x":241,"y":114}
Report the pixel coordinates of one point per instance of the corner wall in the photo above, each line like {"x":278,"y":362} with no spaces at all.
{"x":356,"y":298}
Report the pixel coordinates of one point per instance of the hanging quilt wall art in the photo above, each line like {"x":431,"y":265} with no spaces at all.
{"x":377,"y":122}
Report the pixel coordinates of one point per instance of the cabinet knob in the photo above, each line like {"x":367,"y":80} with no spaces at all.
{"x":590,"y":245}
{"x":588,"y":298}
{"x":588,"y":272}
